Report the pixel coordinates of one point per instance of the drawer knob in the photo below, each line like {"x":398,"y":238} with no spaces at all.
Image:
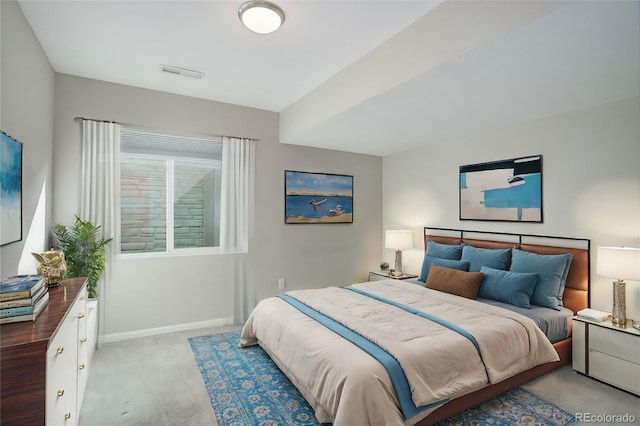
{"x":60,"y":350}
{"x":83,"y":339}
{"x":80,"y":315}
{"x":81,"y":366}
{"x":60,"y":392}
{"x":67,"y":416}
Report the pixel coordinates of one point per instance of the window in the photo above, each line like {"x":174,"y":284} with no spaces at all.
{"x":169,"y":193}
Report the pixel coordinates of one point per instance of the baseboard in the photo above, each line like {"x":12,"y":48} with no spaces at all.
{"x":116,"y":337}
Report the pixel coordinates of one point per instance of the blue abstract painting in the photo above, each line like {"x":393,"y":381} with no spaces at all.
{"x":10,"y":189}
{"x":506,"y":190}
{"x":318,"y":198}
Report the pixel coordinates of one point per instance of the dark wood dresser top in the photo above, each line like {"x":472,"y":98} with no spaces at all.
{"x":44,"y":327}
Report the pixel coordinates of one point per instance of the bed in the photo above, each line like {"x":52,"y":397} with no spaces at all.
{"x":443,"y":344}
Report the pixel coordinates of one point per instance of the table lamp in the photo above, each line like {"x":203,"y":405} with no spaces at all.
{"x":398,"y":241}
{"x":621,"y":263}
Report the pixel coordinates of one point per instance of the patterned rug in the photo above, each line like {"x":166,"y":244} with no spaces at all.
{"x":246,"y":388}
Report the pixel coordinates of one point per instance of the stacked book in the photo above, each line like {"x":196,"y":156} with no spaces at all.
{"x":593,"y":315}
{"x":22,"y":298}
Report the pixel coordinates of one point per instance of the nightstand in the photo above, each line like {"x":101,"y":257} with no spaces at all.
{"x":384,"y":275}
{"x":607,"y":352}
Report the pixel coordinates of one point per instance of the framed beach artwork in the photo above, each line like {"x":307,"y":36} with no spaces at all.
{"x":10,"y":189}
{"x":505,"y":190}
{"x":317,"y":198}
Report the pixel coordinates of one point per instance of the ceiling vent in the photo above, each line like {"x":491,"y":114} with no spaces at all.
{"x":181,"y":71}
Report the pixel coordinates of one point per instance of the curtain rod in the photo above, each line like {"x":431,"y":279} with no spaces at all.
{"x":99,"y":121}
{"x":154,"y":129}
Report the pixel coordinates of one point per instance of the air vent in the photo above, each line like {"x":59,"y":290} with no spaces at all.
{"x":181,"y":71}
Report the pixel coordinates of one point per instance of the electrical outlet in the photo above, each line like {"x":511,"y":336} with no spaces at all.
{"x":281,"y":284}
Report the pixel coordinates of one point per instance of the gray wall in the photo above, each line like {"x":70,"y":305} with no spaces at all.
{"x":26,"y":114}
{"x":153,"y":293}
{"x":157,"y":294}
{"x":591,"y":184}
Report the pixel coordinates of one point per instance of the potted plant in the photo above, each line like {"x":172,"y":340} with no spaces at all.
{"x":384,"y":266}
{"x":83,"y":245}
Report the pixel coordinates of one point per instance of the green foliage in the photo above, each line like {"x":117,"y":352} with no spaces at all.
{"x":84,"y":251}
{"x":384,"y":266}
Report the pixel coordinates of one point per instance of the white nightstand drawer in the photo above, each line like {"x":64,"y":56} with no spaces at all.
{"x":620,"y":345}
{"x":578,"y":343}
{"x":610,"y":369}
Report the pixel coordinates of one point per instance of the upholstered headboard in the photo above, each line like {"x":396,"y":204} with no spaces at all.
{"x":576,"y":293}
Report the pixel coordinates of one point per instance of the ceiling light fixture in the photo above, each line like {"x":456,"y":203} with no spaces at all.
{"x":260,"y":16}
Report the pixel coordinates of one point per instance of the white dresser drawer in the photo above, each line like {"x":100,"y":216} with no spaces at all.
{"x":92,"y":327}
{"x":86,"y":348}
{"x":62,"y":358}
{"x":610,"y":369}
{"x":617,"y":344}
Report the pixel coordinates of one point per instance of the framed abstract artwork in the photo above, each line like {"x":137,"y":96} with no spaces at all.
{"x":505,"y":190}
{"x":10,"y":189}
{"x":317,"y":198}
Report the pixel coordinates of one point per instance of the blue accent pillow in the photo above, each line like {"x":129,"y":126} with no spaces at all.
{"x":552,"y":270}
{"x":446,"y":263}
{"x":565,"y":274}
{"x":514,"y":288}
{"x":479,"y":257}
{"x":444,"y":251}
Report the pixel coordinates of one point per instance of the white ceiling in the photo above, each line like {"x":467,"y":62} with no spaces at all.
{"x":375,"y":77}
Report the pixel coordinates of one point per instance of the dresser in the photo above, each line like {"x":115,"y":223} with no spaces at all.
{"x":44,"y":363}
{"x":607,"y":352}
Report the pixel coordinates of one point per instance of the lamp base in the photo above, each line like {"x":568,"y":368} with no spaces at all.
{"x":398,"y":267}
{"x":619,"y":312}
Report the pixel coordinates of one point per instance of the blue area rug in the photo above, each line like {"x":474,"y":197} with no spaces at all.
{"x":246,"y":388}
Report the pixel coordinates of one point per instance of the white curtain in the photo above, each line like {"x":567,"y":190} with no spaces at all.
{"x":236,"y":199}
{"x":237,"y":174}
{"x":100,"y":186}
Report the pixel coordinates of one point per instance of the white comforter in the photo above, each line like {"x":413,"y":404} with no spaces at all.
{"x":346,"y":386}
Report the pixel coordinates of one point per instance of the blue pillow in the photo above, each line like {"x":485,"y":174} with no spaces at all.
{"x":514,"y":288}
{"x":446,"y":263}
{"x":563,"y":281}
{"x":552,"y":271}
{"x":444,"y":251}
{"x":479,"y":257}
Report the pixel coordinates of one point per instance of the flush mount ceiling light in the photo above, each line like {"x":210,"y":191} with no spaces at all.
{"x":261,"y":17}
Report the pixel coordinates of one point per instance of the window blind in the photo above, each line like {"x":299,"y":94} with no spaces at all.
{"x":137,"y":142}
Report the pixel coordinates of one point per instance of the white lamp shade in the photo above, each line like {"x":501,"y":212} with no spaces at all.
{"x":398,"y":240}
{"x":621,"y":263}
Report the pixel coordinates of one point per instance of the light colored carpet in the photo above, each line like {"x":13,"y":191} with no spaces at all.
{"x":155,"y":381}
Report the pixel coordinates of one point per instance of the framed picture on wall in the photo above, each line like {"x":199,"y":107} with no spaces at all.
{"x":317,"y":198}
{"x":10,"y":189}
{"x":505,"y":190}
